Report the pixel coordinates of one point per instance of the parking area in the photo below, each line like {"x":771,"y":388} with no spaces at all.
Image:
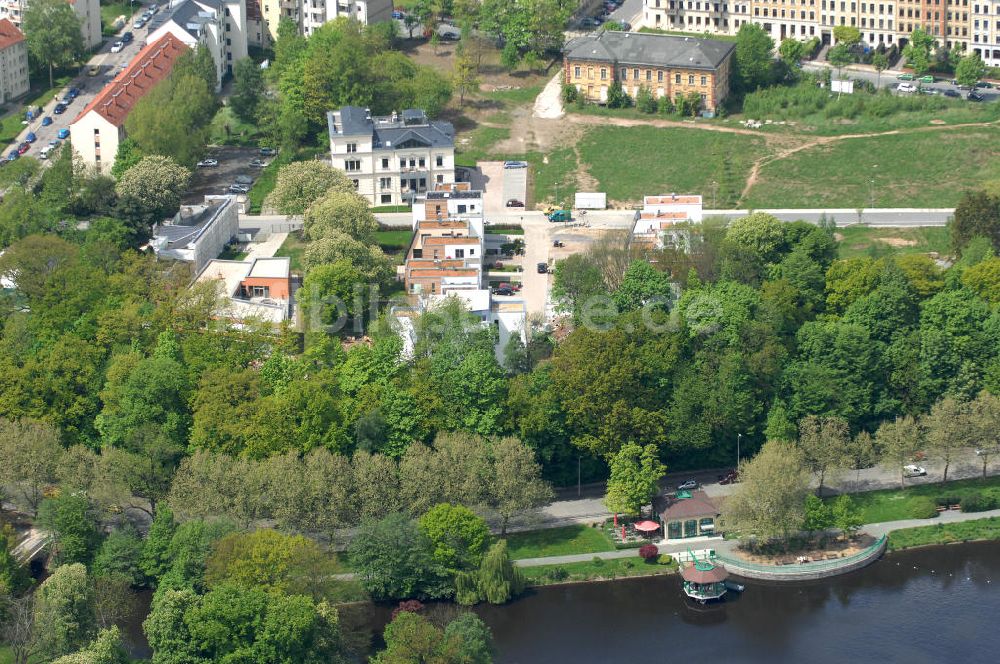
{"x":233,"y":162}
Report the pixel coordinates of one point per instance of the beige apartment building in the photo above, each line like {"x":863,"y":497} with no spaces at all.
{"x":13,"y":62}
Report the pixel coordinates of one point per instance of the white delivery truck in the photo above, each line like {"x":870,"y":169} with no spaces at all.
{"x":591,"y":201}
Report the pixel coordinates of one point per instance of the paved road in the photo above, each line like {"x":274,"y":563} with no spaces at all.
{"x":888,"y":80}
{"x":630,"y":12}
{"x":89,"y":87}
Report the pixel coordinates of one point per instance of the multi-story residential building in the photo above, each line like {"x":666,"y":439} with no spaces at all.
{"x":664,"y":220}
{"x":315,"y":13}
{"x":272,"y":11}
{"x":100,"y":126}
{"x":217,"y":25}
{"x":257,"y":33}
{"x":669,"y":65}
{"x":260,"y":290}
{"x":392,"y":158}
{"x":88,"y":11}
{"x":985,"y":34}
{"x":13,"y":62}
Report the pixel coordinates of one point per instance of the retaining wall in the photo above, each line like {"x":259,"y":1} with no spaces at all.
{"x":806,"y":571}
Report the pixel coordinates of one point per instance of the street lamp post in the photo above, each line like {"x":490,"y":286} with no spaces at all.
{"x":739,"y":438}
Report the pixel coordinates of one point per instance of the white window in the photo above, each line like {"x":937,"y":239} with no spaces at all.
{"x":352,"y":165}
{"x":352,"y":147}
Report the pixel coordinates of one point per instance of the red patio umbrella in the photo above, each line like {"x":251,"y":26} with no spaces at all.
{"x":623,"y":532}
{"x":616,"y":520}
{"x":647,"y":526}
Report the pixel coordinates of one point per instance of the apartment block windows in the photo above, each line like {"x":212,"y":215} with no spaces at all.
{"x":677,"y":79}
{"x":385,"y":163}
{"x":439,"y":161}
{"x":384,"y":183}
{"x":690,"y":79}
{"x":604,"y":74}
{"x":704,"y":80}
{"x":659,"y":77}
{"x":460,"y":253}
{"x":576,"y":71}
{"x":352,"y":147}
{"x":422,"y":162}
{"x":352,"y":165}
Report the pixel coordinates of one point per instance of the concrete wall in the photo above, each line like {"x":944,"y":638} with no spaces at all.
{"x":803,"y":572}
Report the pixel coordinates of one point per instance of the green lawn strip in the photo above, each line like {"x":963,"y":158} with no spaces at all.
{"x":561,"y":541}
{"x":504,"y":229}
{"x":630,"y":162}
{"x":915,"y":169}
{"x":694,"y":35}
{"x":866,"y":240}
{"x":240,"y":133}
{"x":293,"y":247}
{"x":945,"y":533}
{"x":393,"y":241}
{"x":480,"y":145}
{"x":614,"y":568}
{"x":515,"y":97}
{"x":109,"y":12}
{"x":11,"y":125}
{"x":6,"y":656}
{"x":898,"y":504}
{"x":391,"y":208}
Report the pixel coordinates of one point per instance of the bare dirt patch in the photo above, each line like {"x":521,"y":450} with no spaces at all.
{"x":896,"y":241}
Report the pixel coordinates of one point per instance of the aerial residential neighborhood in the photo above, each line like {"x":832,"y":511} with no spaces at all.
{"x":499,"y":331}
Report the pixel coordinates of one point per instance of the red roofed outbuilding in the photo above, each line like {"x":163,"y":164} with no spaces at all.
{"x":100,"y":127}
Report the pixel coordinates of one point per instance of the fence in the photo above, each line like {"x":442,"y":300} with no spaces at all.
{"x":805,"y":571}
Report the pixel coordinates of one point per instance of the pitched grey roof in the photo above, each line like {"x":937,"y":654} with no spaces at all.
{"x":643,"y":48}
{"x":390,"y":131}
{"x":187,"y":15}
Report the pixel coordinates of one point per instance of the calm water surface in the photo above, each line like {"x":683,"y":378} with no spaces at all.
{"x":932,"y":605}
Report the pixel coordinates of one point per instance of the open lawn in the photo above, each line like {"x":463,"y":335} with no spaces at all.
{"x":629,"y":162}
{"x":393,"y":241}
{"x":899,"y":504}
{"x":595,"y":569}
{"x":867,"y":241}
{"x":945,"y":533}
{"x":293,"y":247}
{"x":112,"y":10}
{"x":557,"y":542}
{"x":227,"y":129}
{"x":911,"y":169}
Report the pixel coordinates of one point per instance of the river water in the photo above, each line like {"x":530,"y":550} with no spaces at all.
{"x":932,"y":605}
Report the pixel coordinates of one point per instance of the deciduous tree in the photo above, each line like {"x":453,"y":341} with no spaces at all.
{"x":394,"y":560}
{"x":948,"y":430}
{"x":343,"y":211}
{"x":31,"y":452}
{"x":635,"y":477}
{"x":52,"y":32}
{"x":769,"y":502}
{"x":898,"y":441}
{"x":970,"y":69}
{"x":150,"y":191}
{"x":301,"y":183}
{"x":824,"y":442}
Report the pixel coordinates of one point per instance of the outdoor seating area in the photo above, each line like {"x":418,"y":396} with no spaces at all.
{"x":625,"y":533}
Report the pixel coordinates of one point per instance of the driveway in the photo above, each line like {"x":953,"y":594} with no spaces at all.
{"x":233,"y":161}
{"x":492,"y":173}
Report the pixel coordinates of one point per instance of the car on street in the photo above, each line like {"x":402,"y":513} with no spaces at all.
{"x":23,"y":147}
{"x":543,"y":268}
{"x":208,"y":163}
{"x":396,"y":14}
{"x":153,"y":9}
{"x":974,"y":96}
{"x":687,"y":486}
{"x":139,"y":22}
{"x":238,"y":189}
{"x":450,"y":36}
{"x":906,"y":87}
{"x":55,"y":142}
{"x":44,"y":152}
{"x":268,"y":152}
{"x":905,"y":77}
{"x":515,"y":203}
{"x":93,"y":70}
{"x":926,"y":79}
{"x":913,"y":470}
{"x":244,"y":179}
{"x":30,"y":138}
{"x":984,"y":84}
{"x":952,"y":93}
{"x":503,"y":291}
{"x":46,"y":121}
{"x":59,"y":109}
{"x":257,"y":163}
{"x":515,"y":164}
{"x":929,"y":91}
{"x":127,"y":38}
{"x":14,"y":154}
{"x":63,"y":133}
{"x":117,"y":46}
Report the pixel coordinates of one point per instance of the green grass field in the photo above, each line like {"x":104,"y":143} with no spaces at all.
{"x":240,"y":133}
{"x":914,"y":169}
{"x":898,"y":504}
{"x":394,"y":241}
{"x":557,"y":542}
{"x":630,"y":162}
{"x":945,"y":533}
{"x":293,"y":247}
{"x":109,"y":12}
{"x":866,"y":240}
{"x":594,"y":569}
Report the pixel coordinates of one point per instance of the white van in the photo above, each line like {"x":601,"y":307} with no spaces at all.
{"x":45,"y":152}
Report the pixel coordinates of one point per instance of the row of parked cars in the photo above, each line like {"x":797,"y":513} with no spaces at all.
{"x":144,"y":19}
{"x":241,"y":183}
{"x":127,"y":38}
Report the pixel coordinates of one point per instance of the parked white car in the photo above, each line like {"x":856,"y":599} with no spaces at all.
{"x":208,"y":163}
{"x":914,"y":471}
{"x":117,"y":47}
{"x":906,"y":87}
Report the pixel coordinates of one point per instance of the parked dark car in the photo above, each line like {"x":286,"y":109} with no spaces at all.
{"x":543,"y":268}
{"x":31,"y":138}
{"x":952,"y":93}
{"x":503,"y":291}
{"x":59,"y":109}
{"x":514,"y":203}
{"x":984,"y":84}
{"x":23,"y":147}
{"x":268,"y":152}
{"x":975,"y":96}
{"x":128,"y":37}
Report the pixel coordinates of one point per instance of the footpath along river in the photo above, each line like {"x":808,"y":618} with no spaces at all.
{"x":938,"y":604}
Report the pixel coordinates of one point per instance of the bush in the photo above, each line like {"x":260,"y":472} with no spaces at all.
{"x":597,"y":561}
{"x":648,"y":552}
{"x":947,"y":500}
{"x":557,"y":574}
{"x":628,"y":564}
{"x":664,"y":559}
{"x":923,"y":508}
{"x":569,"y":93}
{"x":977,"y":502}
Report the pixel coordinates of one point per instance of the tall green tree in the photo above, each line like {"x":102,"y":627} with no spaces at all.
{"x":248,"y":86}
{"x":898,"y":441}
{"x":52,"y":32}
{"x":64,"y":620}
{"x":635,"y":477}
{"x":394,"y":560}
{"x":752,"y":59}
{"x":970,"y":69}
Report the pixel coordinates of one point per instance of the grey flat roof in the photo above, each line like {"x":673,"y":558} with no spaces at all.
{"x":190,"y":228}
{"x":390,"y":131}
{"x":643,"y":48}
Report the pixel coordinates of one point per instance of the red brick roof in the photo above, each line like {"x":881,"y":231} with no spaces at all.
{"x":149,"y":67}
{"x":9,"y":34}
